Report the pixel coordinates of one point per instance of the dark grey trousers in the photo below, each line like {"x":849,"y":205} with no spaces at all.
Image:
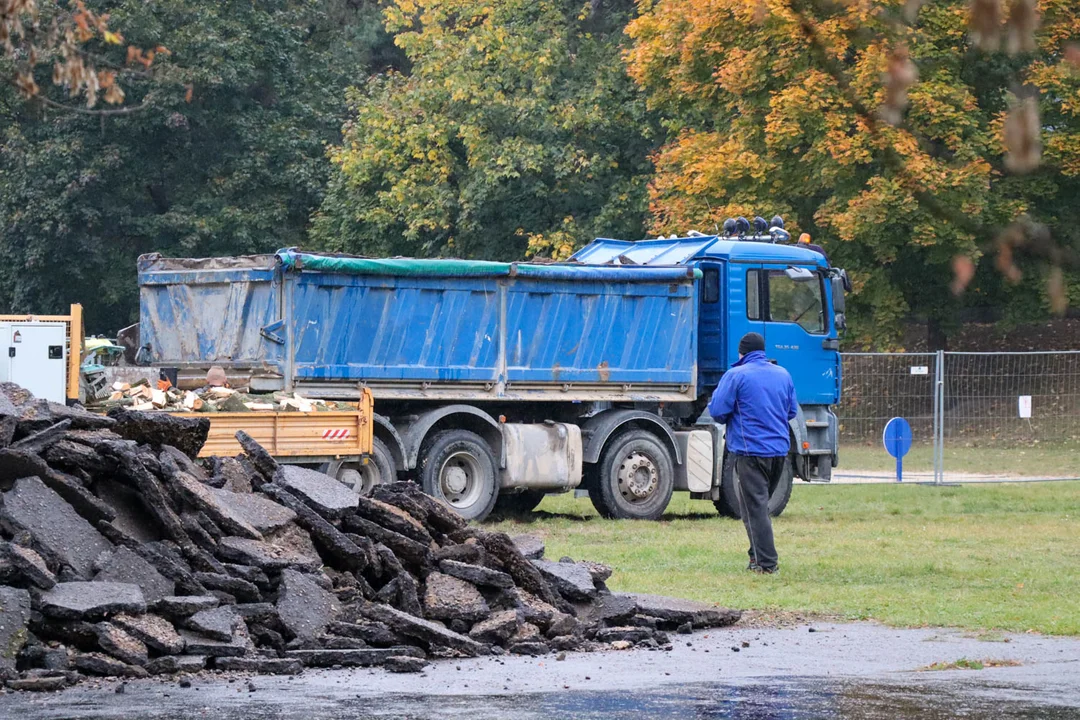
{"x":756,"y":477}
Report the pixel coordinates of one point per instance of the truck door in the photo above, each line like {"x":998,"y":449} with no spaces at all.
{"x":746,"y":306}
{"x":798,"y":333}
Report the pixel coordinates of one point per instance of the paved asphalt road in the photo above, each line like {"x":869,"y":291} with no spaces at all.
{"x":858,"y":670}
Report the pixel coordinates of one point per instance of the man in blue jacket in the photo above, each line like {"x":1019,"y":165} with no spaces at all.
{"x":755,"y":400}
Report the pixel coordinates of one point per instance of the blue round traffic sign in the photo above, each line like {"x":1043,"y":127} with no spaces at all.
{"x":897,"y":437}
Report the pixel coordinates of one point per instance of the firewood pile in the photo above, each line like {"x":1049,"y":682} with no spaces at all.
{"x":121,"y":555}
{"x":140,"y":396}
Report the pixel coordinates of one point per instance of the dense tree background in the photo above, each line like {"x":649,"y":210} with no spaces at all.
{"x":932,"y":147}
{"x":223,"y":150}
{"x":516,"y":131}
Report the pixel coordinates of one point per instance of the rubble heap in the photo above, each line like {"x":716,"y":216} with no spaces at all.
{"x":141,"y":397}
{"x":120,"y":555}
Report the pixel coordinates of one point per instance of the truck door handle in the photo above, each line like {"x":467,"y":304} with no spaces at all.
{"x":11,"y":352}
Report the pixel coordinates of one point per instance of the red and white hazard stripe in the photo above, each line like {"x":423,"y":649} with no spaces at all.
{"x":336,"y":434}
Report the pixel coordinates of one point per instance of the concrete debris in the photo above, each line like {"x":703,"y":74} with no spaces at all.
{"x":91,"y":600}
{"x":405,"y":664}
{"x":155,"y":631}
{"x":304,"y":607}
{"x":261,"y":665}
{"x":95,"y":663}
{"x":122,"y":646}
{"x":448,"y":598}
{"x":47,"y":683}
{"x":14,"y":617}
{"x":197,"y":644}
{"x":348,"y":658}
{"x":530,"y":546}
{"x":121,"y":554}
{"x":268,"y":556}
{"x":127,"y":566}
{"x":322,"y":493}
{"x":219,"y":623}
{"x":157,"y":429}
{"x":674,"y":612}
{"x":172,"y":664}
{"x":497,"y":629}
{"x":30,"y":564}
{"x":573,"y":581}
{"x":56,"y":527}
{"x":476,"y":574}
{"x":185,"y":605}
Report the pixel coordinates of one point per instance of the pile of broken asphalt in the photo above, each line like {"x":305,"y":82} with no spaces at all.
{"x":121,"y":555}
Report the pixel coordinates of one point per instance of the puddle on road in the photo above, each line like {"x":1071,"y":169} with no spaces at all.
{"x":788,"y":700}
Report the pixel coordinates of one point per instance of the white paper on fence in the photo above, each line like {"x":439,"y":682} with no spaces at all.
{"x":920,"y":370}
{"x":1025,"y":407}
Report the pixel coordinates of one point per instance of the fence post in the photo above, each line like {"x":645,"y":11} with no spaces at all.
{"x":939,"y":418}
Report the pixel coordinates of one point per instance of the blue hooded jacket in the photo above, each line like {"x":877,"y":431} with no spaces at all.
{"x":755,"y":400}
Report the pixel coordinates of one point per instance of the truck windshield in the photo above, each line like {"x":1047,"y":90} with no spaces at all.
{"x":796,"y":302}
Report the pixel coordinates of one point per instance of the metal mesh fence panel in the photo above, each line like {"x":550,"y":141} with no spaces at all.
{"x":1013,"y":399}
{"x":1003,"y":415}
{"x":1011,"y":415}
{"x":881,"y":386}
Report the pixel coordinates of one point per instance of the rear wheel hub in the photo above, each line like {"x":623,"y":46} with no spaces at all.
{"x":638,"y":477}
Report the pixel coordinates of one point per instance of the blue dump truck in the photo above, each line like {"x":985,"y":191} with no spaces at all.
{"x":495,"y":383}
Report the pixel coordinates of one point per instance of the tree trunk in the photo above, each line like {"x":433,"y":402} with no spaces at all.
{"x":936,"y":337}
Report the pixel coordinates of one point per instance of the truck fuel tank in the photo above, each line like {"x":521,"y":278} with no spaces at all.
{"x":542,"y":456}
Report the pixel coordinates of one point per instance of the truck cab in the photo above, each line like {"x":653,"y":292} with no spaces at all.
{"x":787,"y":293}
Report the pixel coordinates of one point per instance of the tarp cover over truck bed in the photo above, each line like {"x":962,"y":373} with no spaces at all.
{"x":327,"y":324}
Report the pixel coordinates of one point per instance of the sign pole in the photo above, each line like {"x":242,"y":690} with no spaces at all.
{"x":897,"y":441}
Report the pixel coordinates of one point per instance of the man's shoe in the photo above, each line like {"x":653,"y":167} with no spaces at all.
{"x":764,"y":571}
{"x":753,"y":566}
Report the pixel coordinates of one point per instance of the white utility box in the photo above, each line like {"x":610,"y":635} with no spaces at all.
{"x":34,"y":355}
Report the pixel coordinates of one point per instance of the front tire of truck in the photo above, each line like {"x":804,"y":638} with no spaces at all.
{"x":458,"y":467}
{"x":779,"y":494}
{"x":634,"y":478}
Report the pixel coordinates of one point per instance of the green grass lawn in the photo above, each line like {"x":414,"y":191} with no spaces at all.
{"x":1004,"y":557}
{"x":1037,"y":461}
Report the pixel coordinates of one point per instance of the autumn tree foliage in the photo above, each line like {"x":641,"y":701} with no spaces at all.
{"x":514,"y":132}
{"x":910,"y":139}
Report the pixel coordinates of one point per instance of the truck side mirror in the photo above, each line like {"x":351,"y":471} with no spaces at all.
{"x":839,"y":302}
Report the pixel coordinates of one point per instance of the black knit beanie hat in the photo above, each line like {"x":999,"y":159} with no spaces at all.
{"x":750,"y":342}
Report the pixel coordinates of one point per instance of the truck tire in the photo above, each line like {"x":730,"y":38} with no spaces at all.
{"x":458,"y":467}
{"x":519,"y":503}
{"x":363,"y":477}
{"x":779,"y":494}
{"x":634,"y":478}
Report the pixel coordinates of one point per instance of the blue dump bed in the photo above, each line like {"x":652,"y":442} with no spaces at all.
{"x":441,"y":329}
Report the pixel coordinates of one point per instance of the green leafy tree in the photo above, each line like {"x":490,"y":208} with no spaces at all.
{"x":219,"y":149}
{"x":515,"y":131}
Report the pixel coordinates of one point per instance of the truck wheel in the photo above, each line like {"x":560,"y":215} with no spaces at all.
{"x":520,"y":503}
{"x":458,"y":467}
{"x":779,"y":494}
{"x":363,"y":477}
{"x":635,"y":477}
